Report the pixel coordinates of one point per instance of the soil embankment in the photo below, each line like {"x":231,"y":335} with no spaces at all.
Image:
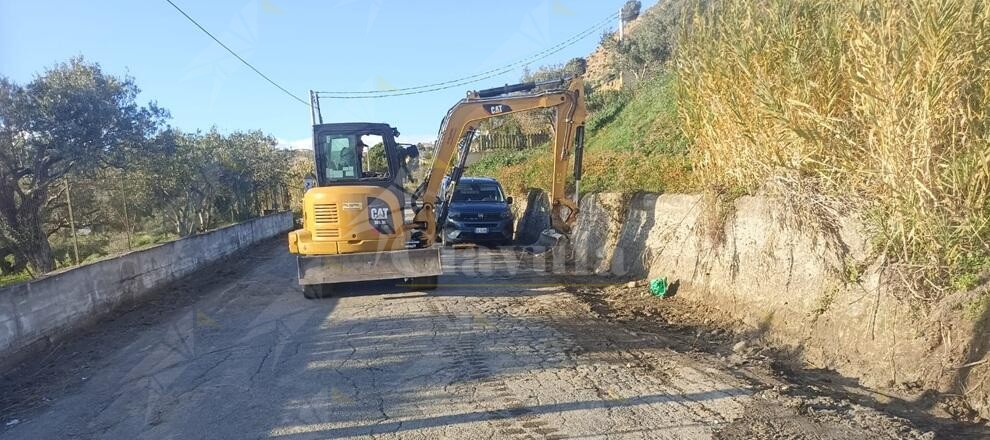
{"x":815,"y":293}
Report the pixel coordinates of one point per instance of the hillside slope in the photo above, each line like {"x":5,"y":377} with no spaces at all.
{"x":634,"y":145}
{"x":634,"y":140}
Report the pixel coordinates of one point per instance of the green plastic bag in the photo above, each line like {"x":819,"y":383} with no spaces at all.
{"x":658,"y":287}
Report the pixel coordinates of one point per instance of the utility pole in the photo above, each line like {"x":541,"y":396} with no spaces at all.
{"x":622,"y":21}
{"x":72,"y":221}
{"x":629,"y":12}
{"x":127,"y":221}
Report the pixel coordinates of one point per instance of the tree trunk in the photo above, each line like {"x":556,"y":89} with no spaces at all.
{"x":179,"y":219}
{"x":23,"y":229}
{"x":38,"y":252}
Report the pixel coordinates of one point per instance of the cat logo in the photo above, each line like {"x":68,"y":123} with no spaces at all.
{"x":380,"y":216}
{"x":379,"y":213}
{"x":495,"y":109}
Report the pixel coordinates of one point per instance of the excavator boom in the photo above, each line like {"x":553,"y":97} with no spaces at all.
{"x":568,"y":127}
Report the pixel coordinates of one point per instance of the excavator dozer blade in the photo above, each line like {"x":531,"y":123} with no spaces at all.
{"x":366,"y":266}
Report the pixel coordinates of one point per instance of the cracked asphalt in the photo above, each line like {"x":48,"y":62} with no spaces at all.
{"x":500,"y":350}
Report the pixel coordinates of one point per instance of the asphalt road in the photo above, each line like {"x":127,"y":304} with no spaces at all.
{"x":499,"y":351}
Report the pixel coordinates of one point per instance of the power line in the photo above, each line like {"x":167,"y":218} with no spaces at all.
{"x":472,"y":78}
{"x":177,"y":8}
{"x":369,"y":94}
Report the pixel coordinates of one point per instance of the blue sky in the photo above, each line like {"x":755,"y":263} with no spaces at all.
{"x":330,"y":45}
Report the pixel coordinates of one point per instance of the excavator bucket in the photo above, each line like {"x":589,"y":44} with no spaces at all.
{"x":552,"y":241}
{"x":550,"y":253}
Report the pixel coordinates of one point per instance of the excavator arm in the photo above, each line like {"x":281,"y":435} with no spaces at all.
{"x":567,"y":98}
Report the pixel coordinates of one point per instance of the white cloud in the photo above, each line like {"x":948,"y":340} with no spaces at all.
{"x":415,"y":138}
{"x":297,"y":144}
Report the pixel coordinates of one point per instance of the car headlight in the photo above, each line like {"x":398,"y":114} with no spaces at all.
{"x":454,"y":216}
{"x":506,"y":214}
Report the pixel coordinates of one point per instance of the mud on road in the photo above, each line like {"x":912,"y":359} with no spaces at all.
{"x":500,"y":350}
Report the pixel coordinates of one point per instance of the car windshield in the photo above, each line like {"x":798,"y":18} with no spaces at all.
{"x":478,"y":192}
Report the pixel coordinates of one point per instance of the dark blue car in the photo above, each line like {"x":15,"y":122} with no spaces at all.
{"x":479,"y":213}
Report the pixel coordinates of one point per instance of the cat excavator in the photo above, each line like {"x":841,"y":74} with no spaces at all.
{"x":360,"y":224}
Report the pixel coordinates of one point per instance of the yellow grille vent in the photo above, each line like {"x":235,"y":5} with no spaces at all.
{"x":327,"y":233}
{"x":326,"y":214}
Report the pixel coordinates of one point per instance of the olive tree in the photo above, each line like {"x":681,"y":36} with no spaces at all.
{"x":70,"y":118}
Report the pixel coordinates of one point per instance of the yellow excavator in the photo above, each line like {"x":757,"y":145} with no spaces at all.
{"x":355,"y":225}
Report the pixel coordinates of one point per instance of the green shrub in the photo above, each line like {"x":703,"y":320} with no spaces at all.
{"x":14,"y":278}
{"x":645,"y":120}
{"x":604,"y":106}
{"x":150,"y":239}
{"x":495,"y":160}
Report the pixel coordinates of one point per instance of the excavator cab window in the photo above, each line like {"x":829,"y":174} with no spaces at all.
{"x":341,"y":153}
{"x":374,"y":161}
{"x":352,"y":156}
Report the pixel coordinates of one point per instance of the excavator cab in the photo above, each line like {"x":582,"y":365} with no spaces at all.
{"x":361,"y":154}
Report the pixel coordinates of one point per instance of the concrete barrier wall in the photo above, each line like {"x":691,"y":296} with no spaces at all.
{"x":532,"y":216}
{"x":36,"y":313}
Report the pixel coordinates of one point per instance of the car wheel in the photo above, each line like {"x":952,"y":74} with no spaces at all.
{"x":317,"y":291}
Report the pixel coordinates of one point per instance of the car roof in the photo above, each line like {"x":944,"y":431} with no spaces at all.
{"x":478,"y":179}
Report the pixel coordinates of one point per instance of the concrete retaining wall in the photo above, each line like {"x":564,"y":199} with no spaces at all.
{"x":814,"y":291}
{"x":532,"y":216}
{"x":36,"y":313}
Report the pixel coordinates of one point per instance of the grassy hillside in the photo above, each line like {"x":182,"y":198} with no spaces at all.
{"x":633,"y":144}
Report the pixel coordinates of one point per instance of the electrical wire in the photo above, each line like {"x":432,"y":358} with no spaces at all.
{"x":426,"y":88}
{"x":472,"y":78}
{"x":217,"y":40}
{"x":414,"y":90}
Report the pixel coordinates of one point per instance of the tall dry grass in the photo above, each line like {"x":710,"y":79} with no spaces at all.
{"x":881,"y":105}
